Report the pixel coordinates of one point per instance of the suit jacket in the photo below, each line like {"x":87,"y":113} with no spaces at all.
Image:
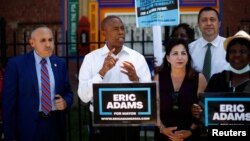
{"x":21,"y":96}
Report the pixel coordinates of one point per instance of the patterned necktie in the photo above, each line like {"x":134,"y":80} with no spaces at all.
{"x":46,"y":104}
{"x":207,"y":62}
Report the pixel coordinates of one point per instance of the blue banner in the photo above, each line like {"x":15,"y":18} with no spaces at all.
{"x":157,"y":12}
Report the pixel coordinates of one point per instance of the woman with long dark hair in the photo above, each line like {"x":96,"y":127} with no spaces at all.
{"x":179,"y":87}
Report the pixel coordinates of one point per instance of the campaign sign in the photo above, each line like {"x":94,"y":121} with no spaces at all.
{"x":157,"y":12}
{"x":226,"y":109}
{"x":124,"y":104}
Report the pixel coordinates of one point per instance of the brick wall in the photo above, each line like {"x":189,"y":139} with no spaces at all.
{"x":236,"y":14}
{"x":22,"y":14}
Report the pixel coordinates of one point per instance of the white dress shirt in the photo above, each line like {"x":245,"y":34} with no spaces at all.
{"x":93,"y":62}
{"x":198,"y":50}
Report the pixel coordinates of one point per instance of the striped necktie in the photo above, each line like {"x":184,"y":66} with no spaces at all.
{"x":46,"y":104}
{"x":207,"y":62}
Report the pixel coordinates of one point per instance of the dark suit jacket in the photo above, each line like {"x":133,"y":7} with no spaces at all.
{"x":21,"y":96}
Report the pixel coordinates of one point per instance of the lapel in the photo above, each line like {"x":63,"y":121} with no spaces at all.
{"x":54,"y":66}
{"x":32,"y":68}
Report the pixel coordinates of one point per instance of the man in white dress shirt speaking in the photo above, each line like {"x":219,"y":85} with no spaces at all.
{"x":113,"y":63}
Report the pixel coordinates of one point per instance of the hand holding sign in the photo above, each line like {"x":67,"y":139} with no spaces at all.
{"x":196,"y":110}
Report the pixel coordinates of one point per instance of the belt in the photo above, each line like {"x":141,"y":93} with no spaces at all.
{"x":50,"y":114}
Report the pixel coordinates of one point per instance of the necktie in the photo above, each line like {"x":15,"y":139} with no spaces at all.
{"x":207,"y":62}
{"x":46,"y":105}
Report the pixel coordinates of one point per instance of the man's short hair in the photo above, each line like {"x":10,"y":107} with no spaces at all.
{"x":106,"y":20}
{"x":208,"y":9}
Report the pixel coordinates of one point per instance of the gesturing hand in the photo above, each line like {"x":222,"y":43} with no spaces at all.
{"x":129,"y":69}
{"x":109,"y":63}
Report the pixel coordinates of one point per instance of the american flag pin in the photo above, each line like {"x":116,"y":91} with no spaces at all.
{"x":55,"y":65}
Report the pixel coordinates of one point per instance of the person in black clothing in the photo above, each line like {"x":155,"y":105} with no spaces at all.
{"x":237,"y":78}
{"x":179,"y":85}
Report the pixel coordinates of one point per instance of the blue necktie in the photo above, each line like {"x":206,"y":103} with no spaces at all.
{"x":46,"y":104}
{"x":207,"y":62}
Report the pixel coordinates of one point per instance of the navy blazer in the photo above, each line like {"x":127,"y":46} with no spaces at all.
{"x":21,"y":96}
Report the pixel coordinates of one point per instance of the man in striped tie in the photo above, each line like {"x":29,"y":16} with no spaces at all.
{"x":36,"y":92}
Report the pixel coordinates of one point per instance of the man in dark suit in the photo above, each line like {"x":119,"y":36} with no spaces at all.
{"x":34,"y":110}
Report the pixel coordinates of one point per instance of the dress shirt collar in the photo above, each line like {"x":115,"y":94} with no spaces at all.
{"x":105,"y":50}
{"x":215,"y":42}
{"x":38,"y":58}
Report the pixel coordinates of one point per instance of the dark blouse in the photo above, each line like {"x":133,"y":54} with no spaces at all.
{"x":176,"y":110}
{"x":220,"y":82}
